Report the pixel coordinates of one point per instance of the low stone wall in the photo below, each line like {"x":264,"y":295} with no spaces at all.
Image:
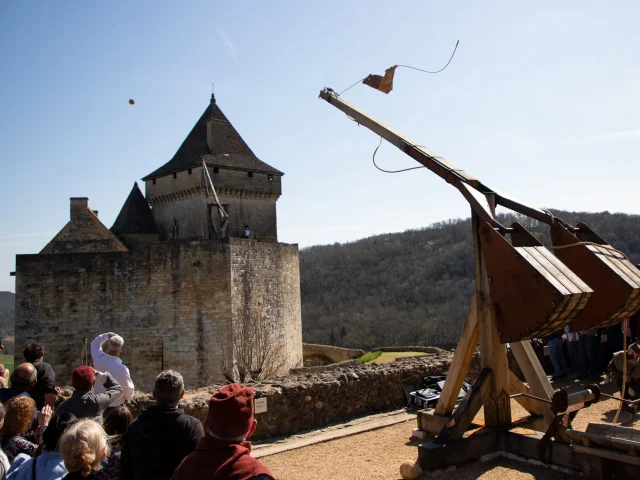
{"x":307,"y":400}
{"x":318,"y":355}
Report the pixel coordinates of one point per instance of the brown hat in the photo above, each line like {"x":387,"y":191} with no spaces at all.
{"x":83,"y":378}
{"x":231,"y":411}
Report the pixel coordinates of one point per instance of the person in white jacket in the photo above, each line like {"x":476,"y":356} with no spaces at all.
{"x":111,"y":362}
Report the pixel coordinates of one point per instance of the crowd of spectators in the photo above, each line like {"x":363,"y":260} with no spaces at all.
{"x":590,"y":354}
{"x":92,"y":434}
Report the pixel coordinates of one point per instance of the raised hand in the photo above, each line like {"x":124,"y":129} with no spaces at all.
{"x":44,"y":416}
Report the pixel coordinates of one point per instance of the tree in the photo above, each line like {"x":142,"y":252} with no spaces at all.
{"x":249,"y":350}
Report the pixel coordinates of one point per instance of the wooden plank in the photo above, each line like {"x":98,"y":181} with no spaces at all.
{"x":527,"y":446}
{"x":532,"y":406}
{"x":493,"y":354}
{"x":479,"y":203}
{"x":431,"y":423}
{"x":467,"y":410}
{"x":614,"y":431}
{"x":432,"y":456}
{"x":608,"y":454}
{"x":533,"y":373}
{"x":460,"y":364}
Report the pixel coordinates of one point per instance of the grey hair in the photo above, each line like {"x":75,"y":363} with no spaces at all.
{"x":115,"y":343}
{"x":168,"y":387}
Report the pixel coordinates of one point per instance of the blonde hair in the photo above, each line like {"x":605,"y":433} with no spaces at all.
{"x":83,"y":446}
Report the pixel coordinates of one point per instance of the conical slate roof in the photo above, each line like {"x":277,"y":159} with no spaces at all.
{"x":228,"y":149}
{"x":135,"y":215}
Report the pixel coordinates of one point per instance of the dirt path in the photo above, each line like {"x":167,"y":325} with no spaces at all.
{"x":378,"y":454}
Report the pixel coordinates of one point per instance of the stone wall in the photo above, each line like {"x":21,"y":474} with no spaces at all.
{"x":190,"y":214}
{"x":265,"y":288}
{"x":250,"y":201}
{"x":171,"y":301}
{"x":315,"y":355}
{"x":303,"y":401}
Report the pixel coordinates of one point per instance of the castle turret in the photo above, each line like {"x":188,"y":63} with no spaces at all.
{"x":247,"y":187}
{"x":135,"y":224}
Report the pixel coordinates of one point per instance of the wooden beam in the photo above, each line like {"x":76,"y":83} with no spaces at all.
{"x":493,"y":354}
{"x":608,"y":454}
{"x":431,"y":423}
{"x":533,"y":373}
{"x":467,"y":410}
{"x":460,"y":364}
{"x":530,"y":405}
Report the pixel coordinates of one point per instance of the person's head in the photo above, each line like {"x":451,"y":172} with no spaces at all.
{"x":230,"y":415}
{"x":118,"y":421}
{"x":57,"y":426}
{"x":83,"y":446}
{"x":83,"y":378}
{"x":33,"y":351}
{"x":634,"y":351}
{"x":168,"y":388}
{"x":115,"y":345}
{"x":24,"y":375}
{"x":20,"y":411}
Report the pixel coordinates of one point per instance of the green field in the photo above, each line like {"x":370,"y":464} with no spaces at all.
{"x":386,"y":357}
{"x":7,"y":361}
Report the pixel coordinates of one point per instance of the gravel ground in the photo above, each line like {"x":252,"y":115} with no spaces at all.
{"x":378,"y":454}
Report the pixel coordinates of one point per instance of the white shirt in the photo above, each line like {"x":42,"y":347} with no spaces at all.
{"x":103,"y":362}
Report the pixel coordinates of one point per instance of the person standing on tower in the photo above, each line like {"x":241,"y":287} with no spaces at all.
{"x":111,"y":362}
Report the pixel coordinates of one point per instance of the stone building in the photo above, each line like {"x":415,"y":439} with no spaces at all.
{"x":174,"y":275}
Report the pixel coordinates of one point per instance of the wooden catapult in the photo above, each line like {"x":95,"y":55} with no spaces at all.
{"x":523,"y":291}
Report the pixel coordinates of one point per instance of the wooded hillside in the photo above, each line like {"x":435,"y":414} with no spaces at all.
{"x":414,"y":288}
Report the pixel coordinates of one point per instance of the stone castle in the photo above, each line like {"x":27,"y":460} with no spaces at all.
{"x":174,"y":276}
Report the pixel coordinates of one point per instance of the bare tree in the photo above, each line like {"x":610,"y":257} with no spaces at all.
{"x":249,"y":350}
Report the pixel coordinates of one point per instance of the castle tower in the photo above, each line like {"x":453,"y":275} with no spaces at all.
{"x":180,"y":299}
{"x":247,"y":187}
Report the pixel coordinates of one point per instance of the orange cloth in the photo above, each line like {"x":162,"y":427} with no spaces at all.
{"x":384,"y":84}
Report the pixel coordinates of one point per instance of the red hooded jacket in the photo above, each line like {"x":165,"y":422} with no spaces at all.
{"x":220,"y":460}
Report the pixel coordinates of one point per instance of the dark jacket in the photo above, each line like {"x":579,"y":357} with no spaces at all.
{"x":156,"y":442}
{"x":221,"y":460}
{"x":86,"y":404}
{"x":46,"y":382}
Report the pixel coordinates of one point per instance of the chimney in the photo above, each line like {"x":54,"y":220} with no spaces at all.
{"x":210,"y":124}
{"x":79,"y":207}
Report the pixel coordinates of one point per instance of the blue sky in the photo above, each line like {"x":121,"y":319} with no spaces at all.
{"x":541,"y":101}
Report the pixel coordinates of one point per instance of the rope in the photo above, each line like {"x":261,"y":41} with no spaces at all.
{"x":404,"y":169}
{"x":438,"y":71}
{"x":553,"y":217}
{"x":412,"y":68}
{"x":606,"y":247}
{"x":625,"y":325}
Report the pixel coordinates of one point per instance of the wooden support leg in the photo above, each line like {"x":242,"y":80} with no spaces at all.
{"x":460,"y":364}
{"x":533,"y":374}
{"x":493,"y":354}
{"x":467,"y":410}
